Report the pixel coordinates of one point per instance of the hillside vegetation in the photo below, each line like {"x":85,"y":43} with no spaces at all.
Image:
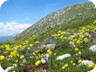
{"x":69,"y":17}
{"x":60,"y":42}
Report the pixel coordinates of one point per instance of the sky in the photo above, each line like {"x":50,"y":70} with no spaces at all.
{"x":17,"y":15}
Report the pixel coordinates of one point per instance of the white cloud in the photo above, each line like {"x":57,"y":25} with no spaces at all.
{"x":2,"y":1}
{"x":94,"y":2}
{"x":12,"y":28}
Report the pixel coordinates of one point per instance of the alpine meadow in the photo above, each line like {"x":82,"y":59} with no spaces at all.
{"x":63,"y":41}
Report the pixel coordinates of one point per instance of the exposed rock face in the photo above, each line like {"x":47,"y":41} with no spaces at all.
{"x":63,"y":56}
{"x":50,"y":46}
{"x":93,"y":48}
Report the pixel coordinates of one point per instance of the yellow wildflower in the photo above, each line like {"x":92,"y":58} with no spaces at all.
{"x":91,"y":65}
{"x":34,"y":53}
{"x":44,"y":46}
{"x":14,"y":65}
{"x":37,"y":62}
{"x":54,"y":53}
{"x":49,"y":51}
{"x":78,"y":42}
{"x":31,"y":56}
{"x":2,"y":57}
{"x":79,"y":52}
{"x":16,"y":61}
{"x":30,"y":45}
{"x":13,"y":71}
{"x":76,"y":49}
{"x":36,"y":42}
{"x":74,"y":64}
{"x":63,"y":67}
{"x":79,"y":61}
{"x":28,"y":48}
{"x":71,"y":61}
{"x":58,"y":35}
{"x":86,"y":39}
{"x":66,"y":65}
{"x":76,"y":54}
{"x":22,"y":56}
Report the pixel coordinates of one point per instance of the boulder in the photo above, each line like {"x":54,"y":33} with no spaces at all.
{"x":2,"y":70}
{"x":86,"y":62}
{"x":50,"y":46}
{"x":72,"y":43}
{"x":7,"y":69}
{"x":93,"y":48}
{"x":63,"y":56}
{"x":44,"y":59}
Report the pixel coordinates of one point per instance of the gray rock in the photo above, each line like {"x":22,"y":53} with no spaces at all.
{"x":93,"y":48}
{"x":86,"y":62}
{"x":63,"y":56}
{"x":50,"y":46}
{"x":44,"y":59}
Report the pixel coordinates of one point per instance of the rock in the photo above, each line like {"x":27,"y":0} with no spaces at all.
{"x":36,"y":57}
{"x":87,"y":34}
{"x":94,"y":39}
{"x":94,"y":69}
{"x":51,"y":46}
{"x":45,"y":58}
{"x":7,"y":69}
{"x":44,"y":70}
{"x":10,"y":68}
{"x":2,"y":70}
{"x":86,"y":62}
{"x":63,"y":56}
{"x":93,"y":48}
{"x":72,"y":43}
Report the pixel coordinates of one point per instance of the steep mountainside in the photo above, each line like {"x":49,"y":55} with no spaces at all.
{"x":69,"y":17}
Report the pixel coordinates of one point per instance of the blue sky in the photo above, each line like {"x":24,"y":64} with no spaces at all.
{"x":20,"y":14}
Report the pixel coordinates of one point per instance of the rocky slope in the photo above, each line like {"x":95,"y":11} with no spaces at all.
{"x":69,"y":17}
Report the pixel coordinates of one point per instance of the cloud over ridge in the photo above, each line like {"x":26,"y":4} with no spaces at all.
{"x":12,"y":28}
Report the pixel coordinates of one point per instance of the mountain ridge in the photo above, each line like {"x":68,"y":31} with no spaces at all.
{"x":75,"y":15}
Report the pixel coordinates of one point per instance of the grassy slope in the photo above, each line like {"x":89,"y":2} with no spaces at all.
{"x":69,"y":17}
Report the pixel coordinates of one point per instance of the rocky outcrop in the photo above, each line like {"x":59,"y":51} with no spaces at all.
{"x":93,"y":48}
{"x":63,"y":56}
{"x":50,"y":46}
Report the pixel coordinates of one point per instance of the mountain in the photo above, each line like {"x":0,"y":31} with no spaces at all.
{"x":69,"y":17}
{"x":64,"y":41}
{"x":5,"y":38}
